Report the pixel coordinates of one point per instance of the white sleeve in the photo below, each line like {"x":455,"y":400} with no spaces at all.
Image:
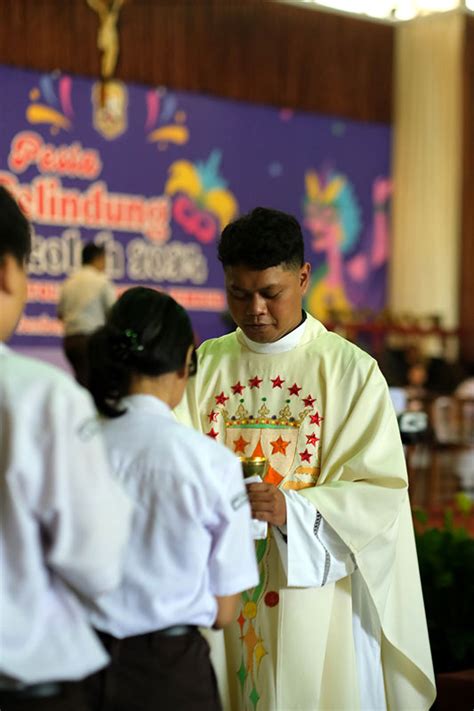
{"x":259,"y":528}
{"x":312,"y":553}
{"x":233,"y":565}
{"x":83,"y":512}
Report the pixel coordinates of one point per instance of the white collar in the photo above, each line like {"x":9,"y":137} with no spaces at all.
{"x":284,"y":344}
{"x":146,"y":403}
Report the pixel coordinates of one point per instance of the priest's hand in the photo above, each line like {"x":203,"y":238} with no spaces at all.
{"x":267,"y":503}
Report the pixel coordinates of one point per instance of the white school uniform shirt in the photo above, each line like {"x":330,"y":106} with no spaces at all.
{"x":85,"y":300}
{"x":313,"y":554}
{"x":191,"y":537}
{"x":63,"y":524}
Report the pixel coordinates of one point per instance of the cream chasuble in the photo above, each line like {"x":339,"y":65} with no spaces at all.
{"x":337,"y":620}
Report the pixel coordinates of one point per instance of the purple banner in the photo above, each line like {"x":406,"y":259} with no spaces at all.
{"x":155,"y":175}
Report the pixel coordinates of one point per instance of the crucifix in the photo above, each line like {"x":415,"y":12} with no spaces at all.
{"x":107,"y":37}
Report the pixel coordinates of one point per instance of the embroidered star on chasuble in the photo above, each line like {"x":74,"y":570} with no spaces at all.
{"x":240,"y":444}
{"x":238,"y":389}
{"x":295,"y":389}
{"x":279,"y":446}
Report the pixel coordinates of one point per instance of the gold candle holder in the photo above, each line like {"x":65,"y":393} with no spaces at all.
{"x":252,"y":466}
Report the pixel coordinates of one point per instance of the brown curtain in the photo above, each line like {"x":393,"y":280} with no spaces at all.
{"x":466,"y":301}
{"x":253,"y":50}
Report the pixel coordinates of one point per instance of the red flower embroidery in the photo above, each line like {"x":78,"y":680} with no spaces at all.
{"x":309,"y":401}
{"x":212,"y":433}
{"x":255,"y":382}
{"x":294,"y":390}
{"x":312,"y":439}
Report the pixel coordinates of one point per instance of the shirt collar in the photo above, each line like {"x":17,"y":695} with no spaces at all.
{"x":284,"y":344}
{"x":146,"y":403}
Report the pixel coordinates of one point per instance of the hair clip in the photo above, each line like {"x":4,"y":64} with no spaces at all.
{"x":133,"y":339}
{"x":124,"y":344}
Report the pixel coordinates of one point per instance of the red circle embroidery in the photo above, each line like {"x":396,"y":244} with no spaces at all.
{"x":271,"y":599}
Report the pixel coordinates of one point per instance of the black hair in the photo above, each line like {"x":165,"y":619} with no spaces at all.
{"x":91,"y":251}
{"x":261,"y":239}
{"x":15,"y":230}
{"x":146,"y":333}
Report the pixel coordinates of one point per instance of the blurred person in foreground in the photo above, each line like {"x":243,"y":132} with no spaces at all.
{"x":84,"y":302}
{"x":191,"y":551}
{"x":337,"y":620}
{"x":63,"y":522}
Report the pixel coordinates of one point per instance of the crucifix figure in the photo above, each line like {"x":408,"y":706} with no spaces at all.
{"x":107,"y":38}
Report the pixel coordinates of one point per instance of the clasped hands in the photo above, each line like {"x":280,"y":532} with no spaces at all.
{"x":267,"y":503}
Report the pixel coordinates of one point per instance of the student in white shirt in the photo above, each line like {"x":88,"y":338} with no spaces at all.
{"x":191,"y":551}
{"x":63,"y":520}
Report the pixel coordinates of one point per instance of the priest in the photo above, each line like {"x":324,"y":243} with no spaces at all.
{"x":337,"y":619}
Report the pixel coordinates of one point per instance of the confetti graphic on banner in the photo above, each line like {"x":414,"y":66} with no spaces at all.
{"x":202,"y":203}
{"x":161,"y":109}
{"x":44,"y":112}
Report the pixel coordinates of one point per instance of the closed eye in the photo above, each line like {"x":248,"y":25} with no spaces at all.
{"x":244,"y":295}
{"x":240,"y":295}
{"x":266,"y":295}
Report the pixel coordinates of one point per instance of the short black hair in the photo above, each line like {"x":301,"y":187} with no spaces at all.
{"x":146,"y":333}
{"x":91,"y":251}
{"x":261,"y":239}
{"x":15,"y":230}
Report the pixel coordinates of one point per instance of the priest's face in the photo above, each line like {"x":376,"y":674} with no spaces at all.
{"x":266,"y":303}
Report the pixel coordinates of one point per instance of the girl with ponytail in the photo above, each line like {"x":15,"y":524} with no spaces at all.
{"x":147,"y":335}
{"x":191,"y":553}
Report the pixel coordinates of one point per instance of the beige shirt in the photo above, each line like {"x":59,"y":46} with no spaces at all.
{"x":85,"y":299}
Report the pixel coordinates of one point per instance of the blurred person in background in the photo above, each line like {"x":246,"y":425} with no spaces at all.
{"x":85,"y":300}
